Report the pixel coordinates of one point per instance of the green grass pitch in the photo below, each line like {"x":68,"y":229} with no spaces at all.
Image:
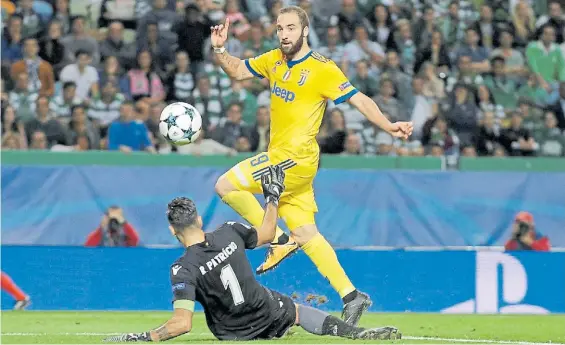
{"x":35,"y":327}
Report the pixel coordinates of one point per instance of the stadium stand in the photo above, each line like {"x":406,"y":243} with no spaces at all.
{"x":482,"y":78}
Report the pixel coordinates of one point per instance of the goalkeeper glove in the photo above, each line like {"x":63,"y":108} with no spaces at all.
{"x":129,"y":337}
{"x":273,"y":184}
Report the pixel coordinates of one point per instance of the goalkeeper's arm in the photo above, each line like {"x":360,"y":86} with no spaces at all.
{"x":179,"y":324}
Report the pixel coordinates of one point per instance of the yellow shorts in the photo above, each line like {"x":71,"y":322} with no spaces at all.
{"x":297,"y":205}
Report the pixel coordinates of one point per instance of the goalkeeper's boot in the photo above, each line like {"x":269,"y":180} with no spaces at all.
{"x":381,"y":333}
{"x":276,"y":254}
{"x":23,"y":304}
{"x":353,"y":310}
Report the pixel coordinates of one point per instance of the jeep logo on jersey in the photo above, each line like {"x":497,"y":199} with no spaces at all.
{"x":287,"y":96}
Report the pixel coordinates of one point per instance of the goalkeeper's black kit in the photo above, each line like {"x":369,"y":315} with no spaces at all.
{"x":217,"y":274}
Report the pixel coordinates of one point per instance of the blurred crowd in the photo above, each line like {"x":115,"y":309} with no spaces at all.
{"x":477,"y":77}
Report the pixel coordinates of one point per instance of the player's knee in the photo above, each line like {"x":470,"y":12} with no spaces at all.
{"x":224,"y":186}
{"x":304,"y":233}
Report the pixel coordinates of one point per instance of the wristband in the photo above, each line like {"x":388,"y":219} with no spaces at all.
{"x":220,"y":50}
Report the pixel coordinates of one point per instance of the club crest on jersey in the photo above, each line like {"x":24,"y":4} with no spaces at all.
{"x":286,"y":75}
{"x":277,"y":64}
{"x":303,"y":75}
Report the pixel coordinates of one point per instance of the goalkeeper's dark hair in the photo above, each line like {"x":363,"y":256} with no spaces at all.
{"x":181,"y":213}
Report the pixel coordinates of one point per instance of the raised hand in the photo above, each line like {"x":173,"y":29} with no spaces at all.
{"x":219,"y":34}
{"x":273,"y":184}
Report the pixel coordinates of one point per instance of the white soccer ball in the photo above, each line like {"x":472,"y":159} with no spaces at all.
{"x":180,"y":123}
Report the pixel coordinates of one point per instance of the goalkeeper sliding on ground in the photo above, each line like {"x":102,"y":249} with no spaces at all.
{"x":215,"y":272}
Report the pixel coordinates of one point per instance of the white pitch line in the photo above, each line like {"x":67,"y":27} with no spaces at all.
{"x":452,"y":340}
{"x":485,"y":341}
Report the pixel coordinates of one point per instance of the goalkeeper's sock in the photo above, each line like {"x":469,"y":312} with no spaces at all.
{"x":249,"y":208}
{"x":323,"y":256}
{"x":319,"y":322}
{"x":10,"y":287}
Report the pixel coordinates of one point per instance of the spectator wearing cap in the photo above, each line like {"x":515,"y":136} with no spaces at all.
{"x":80,"y":41}
{"x":525,"y":235}
{"x":114,"y":45}
{"x":12,"y":40}
{"x":83,"y":75}
{"x":127,"y":134}
{"x":41,"y":78}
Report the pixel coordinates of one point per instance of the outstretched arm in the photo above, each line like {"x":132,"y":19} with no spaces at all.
{"x":371,"y":111}
{"x":234,"y":67}
{"x":273,"y":187}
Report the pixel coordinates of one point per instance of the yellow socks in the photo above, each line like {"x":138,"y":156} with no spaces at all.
{"x":249,"y":208}
{"x":323,"y":256}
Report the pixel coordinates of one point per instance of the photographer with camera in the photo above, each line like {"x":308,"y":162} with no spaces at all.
{"x":114,"y":231}
{"x":524,"y":235}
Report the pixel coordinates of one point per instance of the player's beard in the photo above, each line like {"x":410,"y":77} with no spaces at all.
{"x":293,"y":49}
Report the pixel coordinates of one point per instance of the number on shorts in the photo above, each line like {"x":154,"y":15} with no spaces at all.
{"x":259,"y":160}
{"x":230,"y":281}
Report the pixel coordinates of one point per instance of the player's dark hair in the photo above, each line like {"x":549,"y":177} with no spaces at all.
{"x":181,"y":213}
{"x":302,"y":15}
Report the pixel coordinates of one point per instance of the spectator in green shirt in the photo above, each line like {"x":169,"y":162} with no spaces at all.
{"x":545,"y":58}
{"x":503,"y":89}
